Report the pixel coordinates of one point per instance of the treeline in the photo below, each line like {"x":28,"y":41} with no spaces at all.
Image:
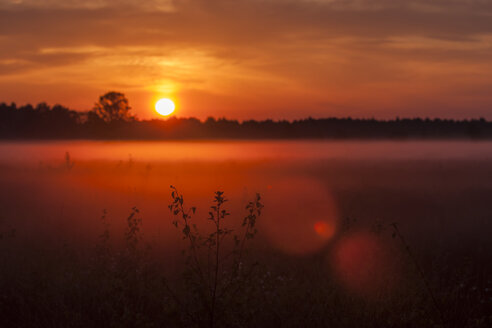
{"x":59,"y":122}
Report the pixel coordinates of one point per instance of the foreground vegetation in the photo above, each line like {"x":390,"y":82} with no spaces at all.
{"x":226,"y":280}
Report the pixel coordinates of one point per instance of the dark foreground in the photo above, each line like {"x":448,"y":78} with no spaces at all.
{"x":411,"y":247}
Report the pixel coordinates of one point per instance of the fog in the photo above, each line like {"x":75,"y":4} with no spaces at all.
{"x":439,"y":191}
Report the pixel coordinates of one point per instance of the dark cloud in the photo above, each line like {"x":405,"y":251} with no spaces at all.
{"x":246,"y":27}
{"x":246,"y":22}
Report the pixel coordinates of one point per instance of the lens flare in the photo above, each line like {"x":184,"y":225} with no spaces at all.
{"x":363,"y":264}
{"x":302,"y":215}
{"x":324,"y":229}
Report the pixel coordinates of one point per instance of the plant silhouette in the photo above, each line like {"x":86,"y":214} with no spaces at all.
{"x":214,"y":273}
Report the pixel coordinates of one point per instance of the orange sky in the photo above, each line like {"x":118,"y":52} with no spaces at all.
{"x":253,"y":58}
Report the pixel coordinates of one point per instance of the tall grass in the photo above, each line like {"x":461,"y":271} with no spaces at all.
{"x":226,"y":282}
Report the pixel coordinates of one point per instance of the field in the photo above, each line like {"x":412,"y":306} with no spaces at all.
{"x":375,"y":240}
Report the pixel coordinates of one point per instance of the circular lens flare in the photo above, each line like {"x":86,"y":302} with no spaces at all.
{"x":164,"y":106}
{"x":363,"y":263}
{"x":302,"y":215}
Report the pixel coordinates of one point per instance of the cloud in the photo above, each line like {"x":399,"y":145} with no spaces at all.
{"x":245,"y":21}
{"x":348,"y":53}
{"x":164,"y":5}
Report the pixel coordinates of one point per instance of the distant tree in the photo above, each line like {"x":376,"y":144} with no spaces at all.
{"x":113,"y":106}
{"x":42,"y":108}
{"x":210,"y":120}
{"x":92,"y":118}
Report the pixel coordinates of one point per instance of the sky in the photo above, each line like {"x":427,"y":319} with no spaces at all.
{"x":253,"y":59}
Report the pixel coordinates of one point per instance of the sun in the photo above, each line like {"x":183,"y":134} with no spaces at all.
{"x":164,"y":106}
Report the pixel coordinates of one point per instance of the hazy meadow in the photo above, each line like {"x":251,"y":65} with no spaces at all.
{"x":352,"y":233}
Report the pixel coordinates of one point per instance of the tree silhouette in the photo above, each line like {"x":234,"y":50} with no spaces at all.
{"x":111,"y":119}
{"x":113,"y":106}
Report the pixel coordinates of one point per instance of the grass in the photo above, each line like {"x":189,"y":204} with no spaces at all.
{"x":227,"y":278}
{"x":215,"y":271}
